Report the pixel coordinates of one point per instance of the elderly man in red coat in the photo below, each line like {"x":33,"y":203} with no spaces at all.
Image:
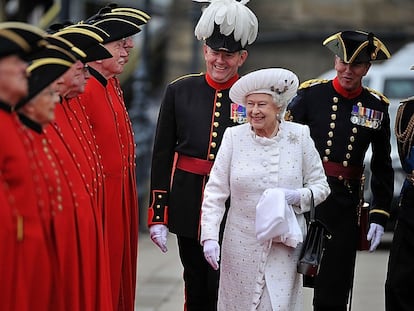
{"x":110,"y":123}
{"x":75,"y":144}
{"x":67,"y":207}
{"x":26,"y":271}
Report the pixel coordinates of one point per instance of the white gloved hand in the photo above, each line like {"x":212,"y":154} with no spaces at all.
{"x":374,"y":235}
{"x":158,"y":235}
{"x":211,"y":250}
{"x":292,"y":196}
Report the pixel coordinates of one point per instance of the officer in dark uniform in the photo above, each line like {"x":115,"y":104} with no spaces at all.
{"x":194,"y":113}
{"x":344,"y":119}
{"x":399,"y":287}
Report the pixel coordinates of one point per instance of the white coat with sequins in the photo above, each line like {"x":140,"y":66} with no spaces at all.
{"x":253,"y":275}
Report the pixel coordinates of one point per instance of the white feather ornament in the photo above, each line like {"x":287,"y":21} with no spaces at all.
{"x":232,"y":16}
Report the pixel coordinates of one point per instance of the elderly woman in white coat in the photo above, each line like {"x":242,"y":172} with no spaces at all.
{"x":259,"y":257}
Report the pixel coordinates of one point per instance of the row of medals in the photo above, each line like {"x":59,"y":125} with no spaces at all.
{"x":366,"y":117}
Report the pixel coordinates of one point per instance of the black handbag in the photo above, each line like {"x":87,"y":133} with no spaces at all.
{"x":313,"y":247}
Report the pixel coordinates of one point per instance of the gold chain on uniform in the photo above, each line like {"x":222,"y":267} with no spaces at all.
{"x":406,"y":137}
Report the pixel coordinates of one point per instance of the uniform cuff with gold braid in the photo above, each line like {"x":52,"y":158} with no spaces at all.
{"x":378,"y":216}
{"x":158,"y":211}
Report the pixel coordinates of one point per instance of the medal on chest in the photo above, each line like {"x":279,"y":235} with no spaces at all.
{"x":366,"y":117}
{"x":238,"y":113}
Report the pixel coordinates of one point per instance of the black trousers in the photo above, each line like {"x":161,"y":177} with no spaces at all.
{"x":399,"y":285}
{"x":335,"y":278}
{"x":200,"y":280}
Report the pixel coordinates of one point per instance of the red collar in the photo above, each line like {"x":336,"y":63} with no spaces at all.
{"x":221,"y":86}
{"x":344,"y":92}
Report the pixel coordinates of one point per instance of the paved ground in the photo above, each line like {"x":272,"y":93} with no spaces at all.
{"x":160,"y":286}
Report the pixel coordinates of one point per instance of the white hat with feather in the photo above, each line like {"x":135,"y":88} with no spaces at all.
{"x":227,"y":25}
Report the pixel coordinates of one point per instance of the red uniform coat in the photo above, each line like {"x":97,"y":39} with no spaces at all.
{"x":28,"y":270}
{"x":74,"y":124}
{"x":73,"y":149}
{"x":75,"y":228}
{"x":111,"y":125}
{"x":59,"y":201}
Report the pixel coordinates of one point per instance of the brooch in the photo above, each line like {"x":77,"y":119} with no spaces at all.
{"x":293,"y":138}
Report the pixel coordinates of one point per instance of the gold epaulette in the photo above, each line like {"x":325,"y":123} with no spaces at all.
{"x":312,"y":82}
{"x":409,"y":99}
{"x":187,"y":76}
{"x":288,"y":116}
{"x":378,"y":95}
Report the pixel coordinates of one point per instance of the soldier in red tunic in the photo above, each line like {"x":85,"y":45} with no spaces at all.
{"x":28,"y":276}
{"x":111,"y":126}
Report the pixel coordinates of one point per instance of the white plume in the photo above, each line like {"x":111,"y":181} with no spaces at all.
{"x":231,"y":15}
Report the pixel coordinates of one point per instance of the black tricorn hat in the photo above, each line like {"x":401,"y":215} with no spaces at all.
{"x":143,"y":17}
{"x":118,"y":25}
{"x":64,"y":44}
{"x":129,"y":16}
{"x":131,"y":10}
{"x":58,"y":26}
{"x":44,"y":71}
{"x":113,"y":7}
{"x":100,"y":32}
{"x":20,"y":38}
{"x":68,"y":24}
{"x":117,"y":28}
{"x":357,"y":47}
{"x":86,"y":39}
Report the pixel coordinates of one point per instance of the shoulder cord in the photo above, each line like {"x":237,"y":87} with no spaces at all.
{"x":406,"y":137}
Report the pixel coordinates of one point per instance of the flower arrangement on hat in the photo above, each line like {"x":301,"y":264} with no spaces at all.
{"x":280,"y":83}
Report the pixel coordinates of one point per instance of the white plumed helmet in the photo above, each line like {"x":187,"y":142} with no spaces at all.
{"x":227,"y":25}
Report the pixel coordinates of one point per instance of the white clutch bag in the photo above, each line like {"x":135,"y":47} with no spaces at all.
{"x":276,"y":220}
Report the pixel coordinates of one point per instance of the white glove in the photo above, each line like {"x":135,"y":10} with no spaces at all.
{"x":374,"y":235}
{"x":158,"y":235}
{"x":211,"y":250}
{"x":292,"y":196}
